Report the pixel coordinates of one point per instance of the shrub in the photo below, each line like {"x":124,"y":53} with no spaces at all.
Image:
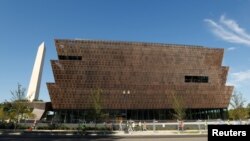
{"x":5,"y":125}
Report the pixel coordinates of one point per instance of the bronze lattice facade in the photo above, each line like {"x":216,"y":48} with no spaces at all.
{"x":138,"y":77}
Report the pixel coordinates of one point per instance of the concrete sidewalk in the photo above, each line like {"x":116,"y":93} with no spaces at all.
{"x":160,"y":133}
{"x":103,"y":133}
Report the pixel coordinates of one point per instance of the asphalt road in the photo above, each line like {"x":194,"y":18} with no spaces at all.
{"x":98,"y":138}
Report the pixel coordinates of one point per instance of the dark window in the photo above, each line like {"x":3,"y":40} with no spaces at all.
{"x":188,"y":78}
{"x":196,"y":79}
{"x":63,"y":57}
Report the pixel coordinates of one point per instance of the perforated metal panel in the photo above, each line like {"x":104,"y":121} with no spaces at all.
{"x":137,"y":75}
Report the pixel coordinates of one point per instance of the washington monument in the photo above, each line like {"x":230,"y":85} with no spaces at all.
{"x":35,"y":81}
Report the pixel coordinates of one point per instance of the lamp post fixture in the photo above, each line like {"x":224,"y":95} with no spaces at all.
{"x":126,"y":92}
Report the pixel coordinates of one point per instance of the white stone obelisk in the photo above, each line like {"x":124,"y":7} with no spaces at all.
{"x":35,"y":81}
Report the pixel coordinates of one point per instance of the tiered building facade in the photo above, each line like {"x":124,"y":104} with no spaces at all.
{"x":138,"y":80}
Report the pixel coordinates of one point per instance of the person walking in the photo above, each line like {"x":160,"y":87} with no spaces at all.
{"x":144,"y":127}
{"x":34,"y":125}
{"x":130,"y":128}
{"x":133,"y":126}
{"x":120,"y":125}
{"x":140,"y":127}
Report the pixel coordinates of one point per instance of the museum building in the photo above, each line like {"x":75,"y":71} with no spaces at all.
{"x":138,"y":80}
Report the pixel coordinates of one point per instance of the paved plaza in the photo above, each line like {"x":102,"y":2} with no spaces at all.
{"x":192,"y":135}
{"x":104,"y":138}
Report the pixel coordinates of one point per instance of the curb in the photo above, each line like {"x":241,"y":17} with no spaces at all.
{"x":106,"y":134}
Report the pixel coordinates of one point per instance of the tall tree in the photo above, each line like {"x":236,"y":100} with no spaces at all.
{"x":18,"y":107}
{"x":96,"y":97}
{"x":19,"y":102}
{"x":237,"y":103}
{"x":178,"y":107}
{"x":237,"y":100}
{"x":97,"y":111}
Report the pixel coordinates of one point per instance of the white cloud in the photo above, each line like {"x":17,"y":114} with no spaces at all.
{"x":231,"y":48}
{"x":241,"y":76}
{"x":241,"y":82}
{"x":239,"y":79}
{"x":229,"y":30}
{"x":233,"y":25}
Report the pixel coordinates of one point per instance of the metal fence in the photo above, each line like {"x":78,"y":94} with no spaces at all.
{"x":144,"y":125}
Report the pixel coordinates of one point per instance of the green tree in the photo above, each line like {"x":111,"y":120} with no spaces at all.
{"x":237,"y":103}
{"x":240,"y":113}
{"x":96,"y":97}
{"x":6,"y":112}
{"x":97,"y":112}
{"x":248,"y":110}
{"x":178,"y":107}
{"x":3,"y":116}
{"x":18,"y":107}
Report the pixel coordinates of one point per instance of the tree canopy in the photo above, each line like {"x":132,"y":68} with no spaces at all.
{"x":17,"y":108}
{"x":237,"y":103}
{"x":179,"y":107}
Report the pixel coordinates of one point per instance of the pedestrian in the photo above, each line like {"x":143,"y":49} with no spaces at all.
{"x":120,"y":125}
{"x":133,"y":126}
{"x":34,"y":125}
{"x":144,"y":126}
{"x":140,"y":128}
{"x":130,"y":128}
{"x":182,"y":125}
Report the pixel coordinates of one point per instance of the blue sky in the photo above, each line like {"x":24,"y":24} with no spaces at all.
{"x":212,"y":23}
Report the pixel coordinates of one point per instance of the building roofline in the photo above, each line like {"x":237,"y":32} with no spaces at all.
{"x":134,"y":43}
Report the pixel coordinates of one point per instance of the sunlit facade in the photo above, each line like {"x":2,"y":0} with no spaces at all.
{"x":138,"y":79}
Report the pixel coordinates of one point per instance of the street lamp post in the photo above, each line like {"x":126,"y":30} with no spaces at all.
{"x":124,"y":92}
